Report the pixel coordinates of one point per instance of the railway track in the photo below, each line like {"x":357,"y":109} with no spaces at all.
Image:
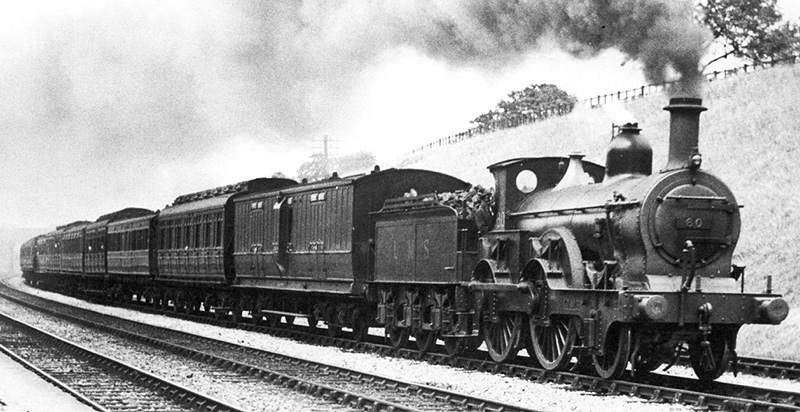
{"x":238,"y":364}
{"x":653,"y":387}
{"x":768,"y":368}
{"x":100,"y":382}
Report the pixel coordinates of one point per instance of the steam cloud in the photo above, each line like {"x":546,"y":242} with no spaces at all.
{"x":105,"y":98}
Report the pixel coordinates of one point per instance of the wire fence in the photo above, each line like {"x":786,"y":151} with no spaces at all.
{"x":594,"y":102}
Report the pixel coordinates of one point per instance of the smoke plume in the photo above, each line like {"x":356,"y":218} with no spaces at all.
{"x":123,"y":97}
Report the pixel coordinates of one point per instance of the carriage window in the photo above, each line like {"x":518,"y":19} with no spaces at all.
{"x":178,"y":239}
{"x":318,"y":197}
{"x":187,"y":236}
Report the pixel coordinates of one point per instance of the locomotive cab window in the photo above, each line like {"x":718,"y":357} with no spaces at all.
{"x":527,"y":181}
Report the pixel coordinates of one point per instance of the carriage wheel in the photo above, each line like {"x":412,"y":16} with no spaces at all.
{"x":272,"y":320}
{"x":237,"y":308}
{"x":710,"y":362}
{"x":256,"y":318}
{"x":313,"y":322}
{"x":360,"y":326}
{"x":552,"y":344}
{"x":502,"y":338}
{"x":190,"y":307}
{"x":616,"y":350}
{"x":334,"y":331}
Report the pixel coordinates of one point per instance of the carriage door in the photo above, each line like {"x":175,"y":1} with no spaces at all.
{"x":282,"y":234}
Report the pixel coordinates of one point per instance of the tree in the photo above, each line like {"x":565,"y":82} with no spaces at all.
{"x":751,"y":29}
{"x":318,"y":167}
{"x":314,"y":169}
{"x":530,"y":103}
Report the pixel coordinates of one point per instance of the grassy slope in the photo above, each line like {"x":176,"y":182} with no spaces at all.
{"x":747,"y":138}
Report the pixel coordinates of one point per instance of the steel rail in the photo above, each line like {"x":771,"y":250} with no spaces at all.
{"x":158,"y":387}
{"x":721,"y":396}
{"x":51,"y":379}
{"x":431,"y":396}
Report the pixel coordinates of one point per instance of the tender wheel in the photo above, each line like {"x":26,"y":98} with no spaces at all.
{"x":454,"y":347}
{"x":710,"y":361}
{"x":396,"y":336}
{"x":426,"y":338}
{"x":616,"y":350}
{"x":552,"y":345}
{"x":502,"y":338}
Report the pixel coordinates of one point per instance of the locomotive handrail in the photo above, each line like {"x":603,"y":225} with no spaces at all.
{"x":584,"y":209}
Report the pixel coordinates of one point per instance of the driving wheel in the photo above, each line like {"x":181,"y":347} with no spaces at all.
{"x":502,"y":338}
{"x":552,"y":344}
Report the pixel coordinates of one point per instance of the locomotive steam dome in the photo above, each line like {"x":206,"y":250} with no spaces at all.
{"x":629,"y":153}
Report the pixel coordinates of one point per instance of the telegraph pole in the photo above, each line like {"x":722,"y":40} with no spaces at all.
{"x":327,"y":146}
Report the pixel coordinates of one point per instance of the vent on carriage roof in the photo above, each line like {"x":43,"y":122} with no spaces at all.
{"x":73,"y":224}
{"x":217,"y":191}
{"x":129,"y":212}
{"x":254,"y":185}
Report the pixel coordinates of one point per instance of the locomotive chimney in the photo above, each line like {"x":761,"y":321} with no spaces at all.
{"x":684,"y":130}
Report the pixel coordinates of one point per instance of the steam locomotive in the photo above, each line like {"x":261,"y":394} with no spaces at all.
{"x":585,"y":266}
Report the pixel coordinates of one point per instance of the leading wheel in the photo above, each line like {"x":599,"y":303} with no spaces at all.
{"x":552,"y":344}
{"x":616,"y":350}
{"x":709,"y":360}
{"x":502,"y":338}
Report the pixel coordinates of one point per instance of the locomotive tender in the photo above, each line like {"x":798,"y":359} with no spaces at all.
{"x":570,"y":260}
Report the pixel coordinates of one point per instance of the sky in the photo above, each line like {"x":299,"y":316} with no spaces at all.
{"x":109,"y":104}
